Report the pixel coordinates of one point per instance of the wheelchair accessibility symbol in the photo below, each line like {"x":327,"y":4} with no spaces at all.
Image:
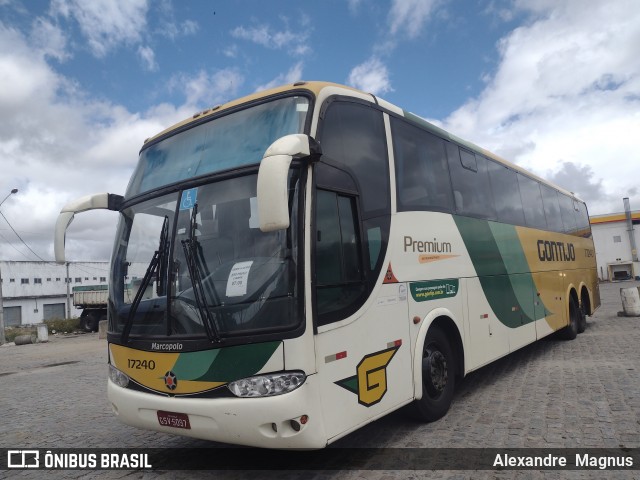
{"x":189,"y":199}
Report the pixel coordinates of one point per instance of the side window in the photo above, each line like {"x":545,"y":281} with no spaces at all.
{"x":582,"y":219}
{"x":552,"y":208}
{"x":471,"y":188}
{"x":353,"y":140}
{"x":353,"y":135}
{"x":339,"y":275}
{"x":568,"y":215}
{"x":506,"y":194}
{"x":532,"y":202}
{"x":422,"y":174}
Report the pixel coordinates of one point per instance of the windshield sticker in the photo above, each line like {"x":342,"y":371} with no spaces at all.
{"x":238,"y":278}
{"x":189,"y":198}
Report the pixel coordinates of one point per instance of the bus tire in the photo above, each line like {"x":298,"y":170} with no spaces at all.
{"x":582,"y":318}
{"x":571,"y":331}
{"x":438,"y":376}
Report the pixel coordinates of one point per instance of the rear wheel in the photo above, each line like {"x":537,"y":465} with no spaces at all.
{"x":571,"y":331}
{"x":438,"y":376}
{"x":582,"y":318}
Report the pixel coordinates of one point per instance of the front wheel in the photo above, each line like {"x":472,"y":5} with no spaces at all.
{"x":438,"y":376}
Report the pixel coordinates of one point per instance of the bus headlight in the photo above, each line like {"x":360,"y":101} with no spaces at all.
{"x":118,"y":377}
{"x":267,"y":385}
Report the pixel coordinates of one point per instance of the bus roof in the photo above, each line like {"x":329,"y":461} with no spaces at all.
{"x":315,"y":87}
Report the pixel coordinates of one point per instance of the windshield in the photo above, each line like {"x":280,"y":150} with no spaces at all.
{"x":234,"y":140}
{"x":194,"y":263}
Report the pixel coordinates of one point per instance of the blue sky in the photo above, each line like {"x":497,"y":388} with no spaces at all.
{"x":137,"y":62}
{"x":553,"y":85}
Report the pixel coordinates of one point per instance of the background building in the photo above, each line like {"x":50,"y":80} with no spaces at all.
{"x":616,"y":243}
{"x":37,"y":291}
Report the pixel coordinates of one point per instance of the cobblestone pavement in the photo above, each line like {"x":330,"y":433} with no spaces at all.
{"x":581,"y":393}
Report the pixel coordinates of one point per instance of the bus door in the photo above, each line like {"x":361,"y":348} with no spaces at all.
{"x":363,"y":353}
{"x":365,"y":366}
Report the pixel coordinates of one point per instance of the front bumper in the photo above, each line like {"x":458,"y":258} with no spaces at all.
{"x":258,"y":422}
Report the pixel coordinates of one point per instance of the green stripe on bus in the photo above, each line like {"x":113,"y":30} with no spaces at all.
{"x":224,"y":364}
{"x":500,"y":263}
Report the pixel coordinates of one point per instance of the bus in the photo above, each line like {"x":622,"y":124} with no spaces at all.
{"x":316,"y":258}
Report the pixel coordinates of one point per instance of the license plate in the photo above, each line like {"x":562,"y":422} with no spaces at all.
{"x":173,"y":419}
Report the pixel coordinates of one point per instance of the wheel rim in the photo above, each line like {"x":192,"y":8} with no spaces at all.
{"x":434,"y":371}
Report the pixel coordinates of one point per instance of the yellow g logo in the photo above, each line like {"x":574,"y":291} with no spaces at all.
{"x":370,"y":381}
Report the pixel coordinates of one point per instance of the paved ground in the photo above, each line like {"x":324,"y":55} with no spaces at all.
{"x":581,"y":393}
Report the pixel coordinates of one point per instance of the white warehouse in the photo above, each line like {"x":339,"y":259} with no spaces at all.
{"x":616,"y":240}
{"x":36,"y":291}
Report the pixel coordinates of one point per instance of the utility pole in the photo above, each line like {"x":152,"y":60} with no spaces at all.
{"x":3,"y":339}
{"x":68,"y":280}
{"x":632,"y":238}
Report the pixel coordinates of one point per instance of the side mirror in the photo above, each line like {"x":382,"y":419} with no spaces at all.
{"x":106,"y":201}
{"x":273,"y":202}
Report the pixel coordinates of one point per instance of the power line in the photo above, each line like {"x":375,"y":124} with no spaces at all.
{"x":13,"y":246}
{"x":25,"y":243}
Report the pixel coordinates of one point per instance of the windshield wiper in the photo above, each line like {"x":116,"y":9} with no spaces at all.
{"x":158,"y":267}
{"x":189,"y":246}
{"x":163,"y":259}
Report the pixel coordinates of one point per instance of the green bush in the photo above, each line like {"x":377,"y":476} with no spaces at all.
{"x":57,"y":325}
{"x":61,"y":325}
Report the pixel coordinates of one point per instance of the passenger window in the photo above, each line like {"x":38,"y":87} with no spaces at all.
{"x":552,"y":208}
{"x":339,"y":276}
{"x":568,"y":215}
{"x":582,"y":219}
{"x":532,"y":202}
{"x":422,"y":174}
{"x":468,"y":160}
{"x":471,"y":188}
{"x":506,"y":194}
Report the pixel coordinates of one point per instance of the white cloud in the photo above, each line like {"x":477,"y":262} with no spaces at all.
{"x":189,"y":27}
{"x":231,"y":51}
{"x":371,"y":76}
{"x":207,"y":89}
{"x":148,"y":58}
{"x":567,"y":89}
{"x":354,"y":5}
{"x":409,"y":16}
{"x":56,"y":145}
{"x":169,"y":27}
{"x":293,"y":75}
{"x":106,"y":24}
{"x":406,"y":20}
{"x":295,"y":43}
{"x":49,"y":39}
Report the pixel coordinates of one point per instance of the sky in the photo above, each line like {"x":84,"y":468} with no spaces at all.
{"x":551,"y":85}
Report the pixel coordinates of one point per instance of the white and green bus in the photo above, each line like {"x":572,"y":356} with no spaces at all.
{"x":316,"y":258}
